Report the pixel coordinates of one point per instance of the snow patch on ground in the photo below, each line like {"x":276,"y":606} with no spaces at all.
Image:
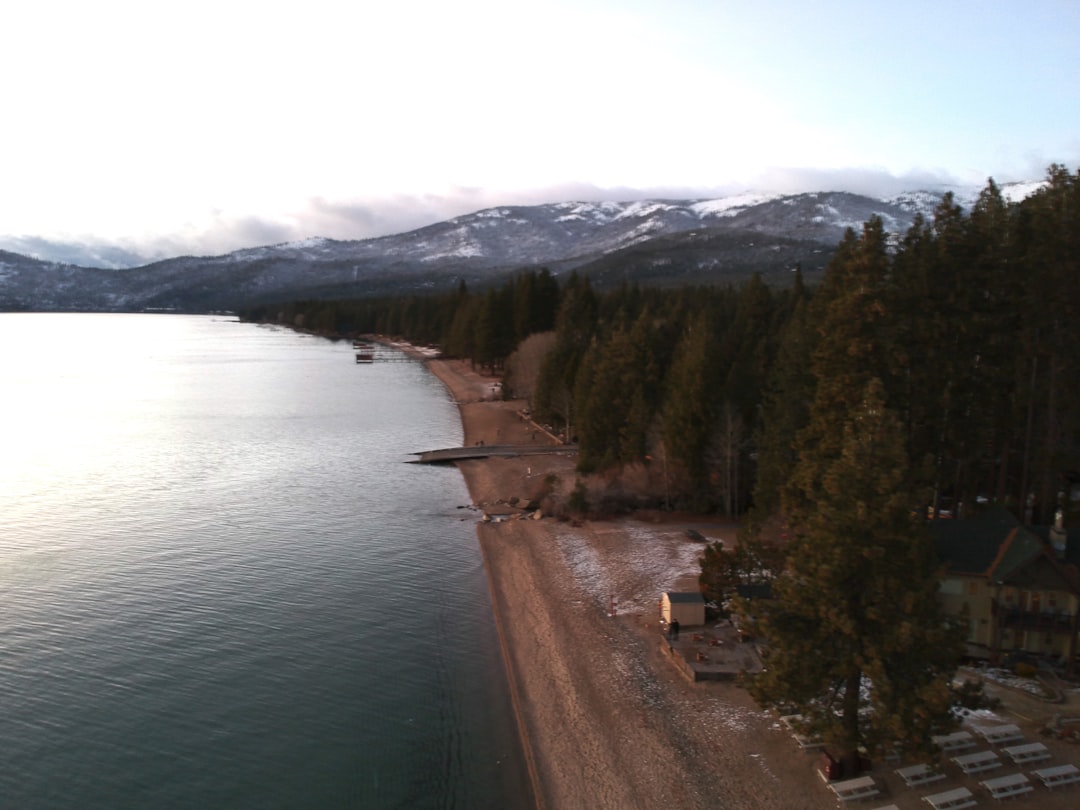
{"x":979,"y":717}
{"x":1013,"y":681}
{"x":648,"y":562}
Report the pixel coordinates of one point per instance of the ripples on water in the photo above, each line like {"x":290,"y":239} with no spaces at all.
{"x":220,"y":586}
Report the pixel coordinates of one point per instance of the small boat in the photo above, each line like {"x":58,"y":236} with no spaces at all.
{"x":365,"y":357}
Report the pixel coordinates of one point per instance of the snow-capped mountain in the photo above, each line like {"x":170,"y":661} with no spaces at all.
{"x":654,"y":240}
{"x":924,"y":202}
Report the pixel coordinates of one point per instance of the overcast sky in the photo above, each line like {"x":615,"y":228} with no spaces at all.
{"x":203,"y":126}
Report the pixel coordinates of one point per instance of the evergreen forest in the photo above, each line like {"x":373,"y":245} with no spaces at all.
{"x":967,"y":323}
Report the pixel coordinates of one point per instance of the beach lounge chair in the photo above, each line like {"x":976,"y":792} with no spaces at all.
{"x":793,"y":722}
{"x":916,"y":775}
{"x":861,"y":787}
{"x":978,"y":762}
{"x":1058,"y":775}
{"x":955,"y":742}
{"x":1030,"y":752}
{"x":1000,"y":735}
{"x":1005,"y":787}
{"x":954,"y":799}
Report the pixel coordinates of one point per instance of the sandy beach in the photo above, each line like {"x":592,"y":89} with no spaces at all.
{"x":606,"y":721}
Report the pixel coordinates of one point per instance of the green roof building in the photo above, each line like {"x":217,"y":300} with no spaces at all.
{"x":1019,"y":587}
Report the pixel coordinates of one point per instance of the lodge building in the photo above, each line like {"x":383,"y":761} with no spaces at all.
{"x":1018,"y":587}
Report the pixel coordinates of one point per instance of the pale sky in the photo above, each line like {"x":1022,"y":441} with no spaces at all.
{"x":204,"y":126}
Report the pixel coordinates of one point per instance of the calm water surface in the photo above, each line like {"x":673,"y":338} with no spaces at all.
{"x":220,"y":584}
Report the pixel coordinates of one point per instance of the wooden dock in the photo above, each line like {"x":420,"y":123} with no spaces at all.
{"x":372,"y":351}
{"x":451,"y":454}
{"x":382,"y":355}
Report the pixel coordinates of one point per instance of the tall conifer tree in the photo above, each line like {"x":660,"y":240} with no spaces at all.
{"x":855,"y":623}
{"x":690,"y":406}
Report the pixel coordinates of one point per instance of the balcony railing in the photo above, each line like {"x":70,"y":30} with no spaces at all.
{"x":1050,"y":621}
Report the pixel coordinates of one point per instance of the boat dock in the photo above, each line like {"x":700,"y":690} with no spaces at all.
{"x":367,"y":352}
{"x":451,"y":454}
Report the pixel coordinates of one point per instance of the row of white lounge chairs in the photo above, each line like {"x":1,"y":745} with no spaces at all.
{"x":1014,"y":748}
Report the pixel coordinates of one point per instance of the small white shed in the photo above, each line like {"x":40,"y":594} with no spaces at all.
{"x":686,"y":607}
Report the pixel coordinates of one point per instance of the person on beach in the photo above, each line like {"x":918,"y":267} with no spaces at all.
{"x":673,"y":630}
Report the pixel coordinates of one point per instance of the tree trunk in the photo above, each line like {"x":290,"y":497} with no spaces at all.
{"x":1048,"y":488}
{"x":1025,"y":467}
{"x":1001,"y":485}
{"x":851,"y":724}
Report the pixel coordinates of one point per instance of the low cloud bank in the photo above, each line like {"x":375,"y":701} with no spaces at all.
{"x":363,"y":217}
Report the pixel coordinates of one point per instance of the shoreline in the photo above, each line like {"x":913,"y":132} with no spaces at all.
{"x":603,"y":720}
{"x":463,"y":393}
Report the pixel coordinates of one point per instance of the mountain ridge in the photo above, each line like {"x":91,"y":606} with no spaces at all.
{"x":705,"y":240}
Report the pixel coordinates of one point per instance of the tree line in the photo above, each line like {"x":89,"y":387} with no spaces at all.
{"x":967,"y":321}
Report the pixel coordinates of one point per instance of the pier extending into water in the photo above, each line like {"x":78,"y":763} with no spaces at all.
{"x":452,"y":454}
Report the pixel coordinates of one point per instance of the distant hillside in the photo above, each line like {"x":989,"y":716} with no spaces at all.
{"x":652,"y":242}
{"x":711,"y":256}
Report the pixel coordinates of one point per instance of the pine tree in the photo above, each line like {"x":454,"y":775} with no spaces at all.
{"x":690,"y":407}
{"x":854,"y":344}
{"x":1049,"y":233}
{"x":615,"y":398}
{"x":753,"y":561}
{"x":574,"y":328}
{"x":856,"y":641}
{"x":785,"y":411}
{"x":855,"y":624}
{"x":494,"y":327}
{"x":536,"y":299}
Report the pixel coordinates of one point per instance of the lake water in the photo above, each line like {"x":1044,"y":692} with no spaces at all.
{"x":220,"y":584}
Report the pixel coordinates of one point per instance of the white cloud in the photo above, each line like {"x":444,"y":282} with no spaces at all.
{"x":200,"y":126}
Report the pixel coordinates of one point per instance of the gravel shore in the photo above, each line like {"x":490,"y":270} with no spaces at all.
{"x":606,"y":722}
